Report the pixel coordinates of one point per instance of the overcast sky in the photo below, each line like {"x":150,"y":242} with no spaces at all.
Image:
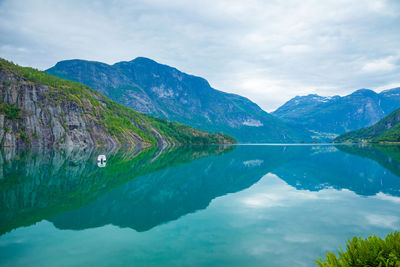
{"x":268,"y":51}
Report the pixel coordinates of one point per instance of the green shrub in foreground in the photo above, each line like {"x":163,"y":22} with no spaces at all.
{"x":372,"y":251}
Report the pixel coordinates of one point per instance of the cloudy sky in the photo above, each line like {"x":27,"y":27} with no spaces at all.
{"x":268,"y":51}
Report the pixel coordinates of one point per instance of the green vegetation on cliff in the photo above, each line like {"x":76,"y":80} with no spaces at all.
{"x":117,"y":120}
{"x":11,"y":111}
{"x":386,"y":130}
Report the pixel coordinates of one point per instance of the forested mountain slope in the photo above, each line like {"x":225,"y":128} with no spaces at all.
{"x":38,"y":109}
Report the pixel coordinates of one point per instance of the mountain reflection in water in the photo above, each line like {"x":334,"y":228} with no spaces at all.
{"x":143,"y":189}
{"x":194,"y":205}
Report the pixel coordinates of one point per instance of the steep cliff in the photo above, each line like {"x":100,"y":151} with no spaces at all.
{"x":37,"y":109}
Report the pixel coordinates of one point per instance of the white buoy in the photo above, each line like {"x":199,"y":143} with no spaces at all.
{"x":101,"y":161}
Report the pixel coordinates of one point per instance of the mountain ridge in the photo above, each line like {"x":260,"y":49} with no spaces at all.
{"x":163,"y":91}
{"x":38,"y":109}
{"x":339,"y":114}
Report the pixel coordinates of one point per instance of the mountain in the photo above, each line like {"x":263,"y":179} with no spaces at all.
{"x":337,"y":115}
{"x":159,"y":90}
{"x":37,"y":109}
{"x":386,"y":130}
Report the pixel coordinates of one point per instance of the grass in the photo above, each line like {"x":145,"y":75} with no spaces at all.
{"x":372,"y":251}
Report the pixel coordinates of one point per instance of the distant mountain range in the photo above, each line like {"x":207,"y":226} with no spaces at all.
{"x":159,"y":90}
{"x":386,"y":130}
{"x":337,"y":115}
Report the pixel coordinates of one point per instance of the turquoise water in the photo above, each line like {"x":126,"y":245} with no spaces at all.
{"x":194,"y":206}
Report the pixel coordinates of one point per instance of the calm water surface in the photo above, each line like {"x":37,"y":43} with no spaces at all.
{"x":194,"y":206}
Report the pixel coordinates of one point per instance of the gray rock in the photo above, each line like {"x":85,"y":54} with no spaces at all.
{"x":44,"y":122}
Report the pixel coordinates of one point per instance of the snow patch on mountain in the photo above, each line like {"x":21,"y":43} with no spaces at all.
{"x":162,"y":92}
{"x":253,"y":163}
{"x":253,"y":123}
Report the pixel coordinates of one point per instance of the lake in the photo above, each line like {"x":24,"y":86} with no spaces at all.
{"x":246,"y":205}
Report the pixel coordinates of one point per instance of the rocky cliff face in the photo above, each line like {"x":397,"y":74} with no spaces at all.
{"x":162,"y":91}
{"x":37,"y":109}
{"x":42,"y":121}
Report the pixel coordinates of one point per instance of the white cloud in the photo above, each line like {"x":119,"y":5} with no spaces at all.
{"x":387,"y":197}
{"x":299,"y":238}
{"x":381,"y":6}
{"x":386,"y":87}
{"x":386,"y":221}
{"x":280,"y":194}
{"x":296,"y":49}
{"x":381,"y":65}
{"x":268,"y":51}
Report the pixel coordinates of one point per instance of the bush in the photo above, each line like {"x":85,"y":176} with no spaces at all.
{"x":11,"y":111}
{"x":372,"y":251}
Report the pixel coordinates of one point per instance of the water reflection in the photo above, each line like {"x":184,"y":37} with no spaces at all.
{"x":388,"y":156}
{"x":281,"y":205}
{"x":101,"y":161}
{"x":343,"y":167}
{"x":141,"y":190}
{"x":38,"y":184}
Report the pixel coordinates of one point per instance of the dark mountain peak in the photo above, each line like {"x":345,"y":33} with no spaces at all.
{"x":364,"y":92}
{"x":145,"y":64}
{"x":144,"y":60}
{"x":143,"y":68}
{"x":300,"y":103}
{"x":137,"y":61}
{"x":78,"y":62}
